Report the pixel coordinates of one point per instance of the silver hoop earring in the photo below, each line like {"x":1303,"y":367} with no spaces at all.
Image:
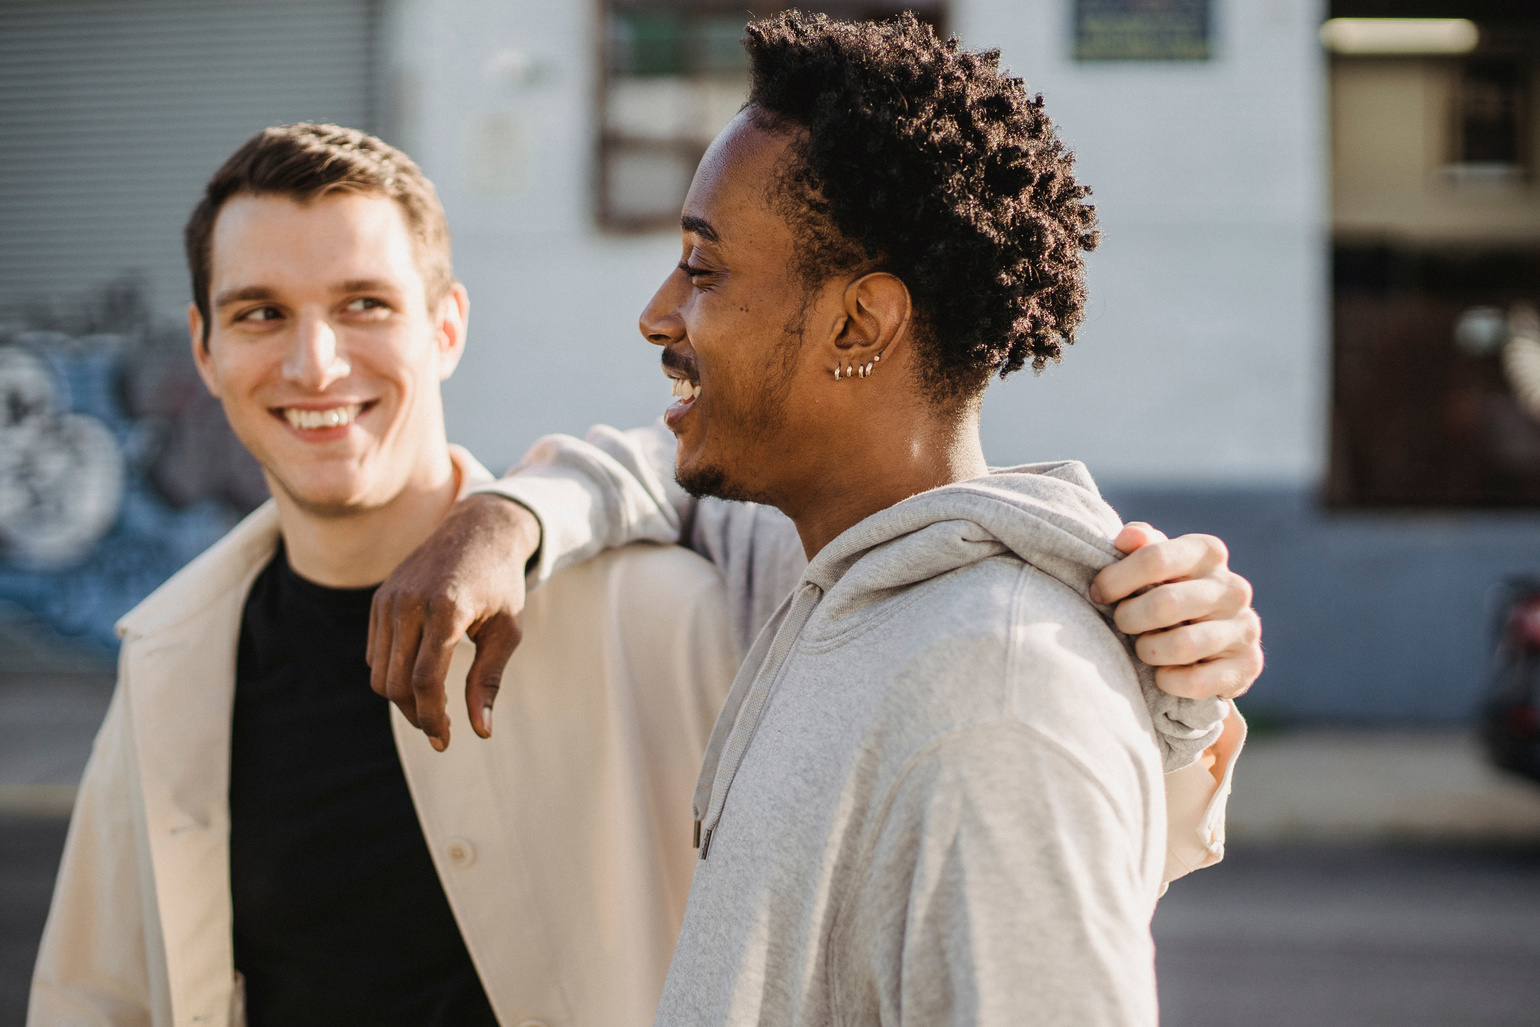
{"x":836,"y":374}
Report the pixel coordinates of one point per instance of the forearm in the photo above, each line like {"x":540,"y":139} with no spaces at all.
{"x":617,"y":487}
{"x":593,"y":494}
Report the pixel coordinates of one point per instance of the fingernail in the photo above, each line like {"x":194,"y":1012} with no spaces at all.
{"x":486,"y":719}
{"x":1096,"y":595}
{"x":438,"y":743}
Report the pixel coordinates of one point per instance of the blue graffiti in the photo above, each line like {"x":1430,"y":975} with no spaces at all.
{"x":116,"y":469}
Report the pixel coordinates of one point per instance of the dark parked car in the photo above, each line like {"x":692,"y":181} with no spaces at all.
{"x":1510,"y":723}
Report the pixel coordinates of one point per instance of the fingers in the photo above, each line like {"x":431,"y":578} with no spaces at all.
{"x":1137,"y":535}
{"x":468,"y":572}
{"x":1224,"y":678}
{"x":441,"y":633}
{"x":398,"y":660}
{"x":1190,"y":556}
{"x":1190,"y":643}
{"x":1218,"y":596}
{"x":1218,"y":658}
{"x":495,"y":642}
{"x":378,"y":646}
{"x":387,"y":631}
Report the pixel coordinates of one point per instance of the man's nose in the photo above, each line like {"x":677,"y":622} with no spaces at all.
{"x":660,"y":322}
{"x":314,"y":360}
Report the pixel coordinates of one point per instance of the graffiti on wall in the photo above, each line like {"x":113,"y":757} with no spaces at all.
{"x":116,"y":467}
{"x":61,"y":473}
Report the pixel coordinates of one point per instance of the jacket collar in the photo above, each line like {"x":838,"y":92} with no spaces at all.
{"x":231,"y":562}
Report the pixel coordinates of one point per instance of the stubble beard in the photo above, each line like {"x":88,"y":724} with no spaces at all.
{"x":761,"y":418}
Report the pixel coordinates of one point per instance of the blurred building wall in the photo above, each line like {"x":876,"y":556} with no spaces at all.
{"x":1198,"y":391}
{"x":1203,"y":358}
{"x":113,"y":116}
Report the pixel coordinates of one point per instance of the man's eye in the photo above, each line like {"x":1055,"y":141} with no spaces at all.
{"x":693,"y":271}
{"x":365,"y":303}
{"x":260,"y":314}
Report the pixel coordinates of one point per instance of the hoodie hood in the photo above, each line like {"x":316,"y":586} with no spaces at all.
{"x":1050,"y":516}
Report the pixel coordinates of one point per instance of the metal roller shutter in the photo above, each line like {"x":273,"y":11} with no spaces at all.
{"x":113,"y":113}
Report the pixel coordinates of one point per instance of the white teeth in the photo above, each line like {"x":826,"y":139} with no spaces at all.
{"x":683,"y":389}
{"x":333,"y":417}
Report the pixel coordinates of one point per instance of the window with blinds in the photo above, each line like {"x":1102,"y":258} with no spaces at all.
{"x":113,"y":115}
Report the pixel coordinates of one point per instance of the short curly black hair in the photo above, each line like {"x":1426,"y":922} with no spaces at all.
{"x":923,"y":159}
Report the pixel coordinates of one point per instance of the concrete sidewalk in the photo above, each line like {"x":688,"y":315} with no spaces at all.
{"x":53,"y":695}
{"x":1377,"y":785}
{"x":1303,"y":784}
{"x":1350,"y":785}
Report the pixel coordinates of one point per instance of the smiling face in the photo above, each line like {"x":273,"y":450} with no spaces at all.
{"x":323,"y":350}
{"x":732,"y":319}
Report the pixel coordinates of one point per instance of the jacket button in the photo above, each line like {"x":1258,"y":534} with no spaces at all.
{"x":461,"y":852}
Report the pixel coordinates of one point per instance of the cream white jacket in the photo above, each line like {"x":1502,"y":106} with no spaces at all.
{"x":563,"y":842}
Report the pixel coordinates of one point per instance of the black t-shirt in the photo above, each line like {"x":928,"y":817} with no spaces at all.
{"x":339,"y":915}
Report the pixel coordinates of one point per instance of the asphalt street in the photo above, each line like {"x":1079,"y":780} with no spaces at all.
{"x":1331,"y":935}
{"x":29,"y":856}
{"x":1317,"y":935}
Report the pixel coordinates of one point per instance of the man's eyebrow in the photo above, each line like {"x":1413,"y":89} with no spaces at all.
{"x":700,"y":226}
{"x":242,"y":295}
{"x":365,"y":285}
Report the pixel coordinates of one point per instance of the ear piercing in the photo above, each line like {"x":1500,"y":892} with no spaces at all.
{"x":857,"y":370}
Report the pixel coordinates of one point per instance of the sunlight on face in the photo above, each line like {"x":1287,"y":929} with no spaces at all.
{"x":730,"y":318}
{"x":323,"y":350}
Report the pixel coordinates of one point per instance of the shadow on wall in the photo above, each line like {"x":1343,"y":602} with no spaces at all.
{"x":116,"y":466}
{"x":1367,"y":616}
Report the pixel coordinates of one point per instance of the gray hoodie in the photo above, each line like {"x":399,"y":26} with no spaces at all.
{"x":617,"y":487}
{"x":934,"y":794}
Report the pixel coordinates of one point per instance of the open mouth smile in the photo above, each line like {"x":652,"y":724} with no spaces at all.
{"x":685,"y":393}
{"x":308,"y":419}
{"x":684,"y":389}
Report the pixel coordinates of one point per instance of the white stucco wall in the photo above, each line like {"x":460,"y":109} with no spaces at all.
{"x":1204,"y":359}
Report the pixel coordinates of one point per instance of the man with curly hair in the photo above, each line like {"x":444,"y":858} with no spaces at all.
{"x":934,"y":794}
{"x":937,"y":790}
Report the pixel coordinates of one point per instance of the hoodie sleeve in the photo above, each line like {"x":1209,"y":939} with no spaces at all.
{"x":1003,"y":889}
{"x":616,"y":487}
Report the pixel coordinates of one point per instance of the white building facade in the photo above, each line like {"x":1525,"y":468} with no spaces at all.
{"x":1198,"y":392}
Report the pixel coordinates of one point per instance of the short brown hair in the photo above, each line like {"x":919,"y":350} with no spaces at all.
{"x":307,"y":161}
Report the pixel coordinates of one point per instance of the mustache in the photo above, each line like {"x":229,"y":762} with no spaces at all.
{"x":674,"y":360}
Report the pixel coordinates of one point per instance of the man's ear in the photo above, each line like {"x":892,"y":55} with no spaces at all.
{"x":877,"y":311}
{"x":202,"y":358}
{"x":453,"y":315}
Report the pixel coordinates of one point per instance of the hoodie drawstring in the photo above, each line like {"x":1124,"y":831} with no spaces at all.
{"x":735,"y":725}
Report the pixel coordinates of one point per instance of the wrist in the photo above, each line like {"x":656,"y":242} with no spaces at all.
{"x":514,"y":525}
